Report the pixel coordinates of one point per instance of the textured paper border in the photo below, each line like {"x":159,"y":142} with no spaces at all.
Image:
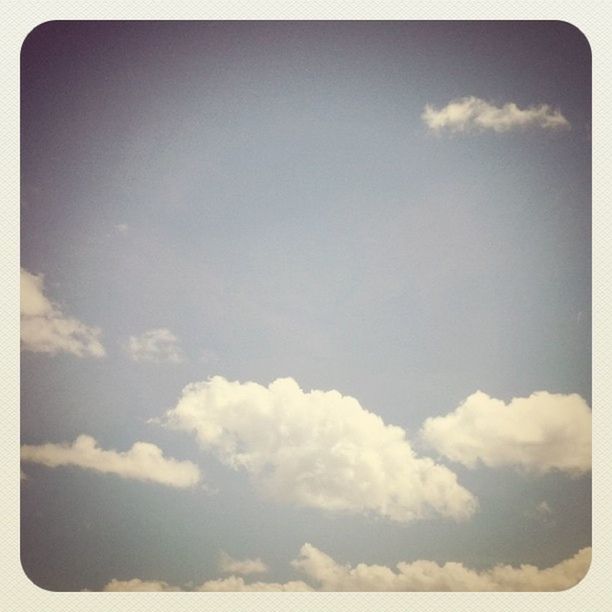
{"x":18,"y":593}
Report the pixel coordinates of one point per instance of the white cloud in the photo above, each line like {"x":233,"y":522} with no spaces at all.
{"x":122,"y":228}
{"x":228,"y":565}
{"x":237,"y":583}
{"x":318,"y":449}
{"x":329,"y":575}
{"x":230,"y":584}
{"x":139,"y":585}
{"x":144,"y":461}
{"x":539,"y":433}
{"x":430,"y":576}
{"x":156,"y":345}
{"x":473,"y":114}
{"x":45,"y":329}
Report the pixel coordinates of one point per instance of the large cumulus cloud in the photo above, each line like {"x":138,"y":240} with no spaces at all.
{"x":318,"y":449}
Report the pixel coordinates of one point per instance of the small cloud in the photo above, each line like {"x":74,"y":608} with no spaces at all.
{"x":144,"y":461}
{"x":544,"y":514}
{"x":122,"y":228}
{"x":228,"y":565}
{"x":543,"y":509}
{"x":208,"y":356}
{"x":138,"y":585}
{"x":237,"y":583}
{"x":473,"y":114}
{"x":539,"y":433}
{"x":230,"y":584}
{"x":45,"y":329}
{"x":156,"y":345}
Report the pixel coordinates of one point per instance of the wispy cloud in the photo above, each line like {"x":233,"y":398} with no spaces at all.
{"x":228,"y":565}
{"x":544,"y":514}
{"x":318,"y":449}
{"x":156,"y":345}
{"x":45,"y":329}
{"x":474,"y":114}
{"x":540,"y":433}
{"x":326,"y":574}
{"x":144,"y":461}
{"x":544,"y":509}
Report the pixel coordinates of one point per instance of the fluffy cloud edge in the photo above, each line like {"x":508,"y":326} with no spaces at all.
{"x":328,"y":575}
{"x":237,"y":583}
{"x":317,"y":449}
{"x":430,"y":576}
{"x":245,"y":567}
{"x":139,"y":586}
{"x":45,"y":329}
{"x":157,"y":345}
{"x":231,"y":584}
{"x":470,"y":114}
{"x":144,"y":461}
{"x":540,"y":433}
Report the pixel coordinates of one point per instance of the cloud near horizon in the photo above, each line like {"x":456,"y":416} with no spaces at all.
{"x":474,"y":114}
{"x":539,"y":433}
{"x":329,"y":575}
{"x":45,"y":329}
{"x":318,"y":449}
{"x":137,"y":585}
{"x":237,"y":583}
{"x":156,"y":345}
{"x":144,"y":461}
{"x":230,"y":584}
{"x":229,"y":565}
{"x":430,"y":576}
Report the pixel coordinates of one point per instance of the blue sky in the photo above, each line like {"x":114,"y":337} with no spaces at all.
{"x":255,"y":201}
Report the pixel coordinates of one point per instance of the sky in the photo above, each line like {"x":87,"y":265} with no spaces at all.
{"x":305,"y":306}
